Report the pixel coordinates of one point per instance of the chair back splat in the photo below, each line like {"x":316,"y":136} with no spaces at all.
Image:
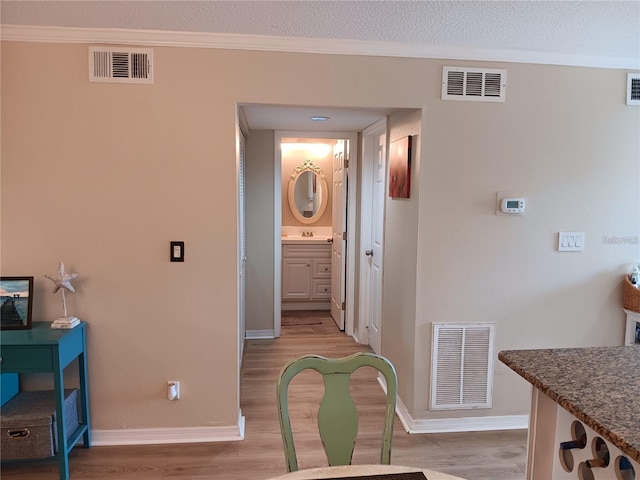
{"x":337,"y":414}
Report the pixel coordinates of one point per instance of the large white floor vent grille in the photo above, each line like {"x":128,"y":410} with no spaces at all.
{"x":633,"y":88}
{"x":462,"y":366}
{"x":120,"y":65}
{"x":474,"y":84}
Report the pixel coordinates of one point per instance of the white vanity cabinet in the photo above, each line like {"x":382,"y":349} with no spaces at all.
{"x":306,"y":272}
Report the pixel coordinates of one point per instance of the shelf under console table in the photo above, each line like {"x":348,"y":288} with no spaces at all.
{"x":44,"y":350}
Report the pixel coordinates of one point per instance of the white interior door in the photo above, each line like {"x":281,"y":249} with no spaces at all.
{"x":338,"y":233}
{"x":374,"y":253}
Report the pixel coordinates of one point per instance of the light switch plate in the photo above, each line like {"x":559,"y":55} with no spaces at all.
{"x":570,"y":241}
{"x":177,"y":252}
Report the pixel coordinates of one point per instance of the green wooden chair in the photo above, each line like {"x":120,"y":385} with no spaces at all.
{"x":337,"y":414}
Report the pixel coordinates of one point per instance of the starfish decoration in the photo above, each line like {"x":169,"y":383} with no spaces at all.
{"x":62,"y":279}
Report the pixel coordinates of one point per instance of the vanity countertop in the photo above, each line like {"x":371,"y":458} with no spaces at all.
{"x":299,"y":240}
{"x":599,"y":386}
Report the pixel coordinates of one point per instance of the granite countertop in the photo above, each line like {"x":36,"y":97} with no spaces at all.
{"x":600,"y":386}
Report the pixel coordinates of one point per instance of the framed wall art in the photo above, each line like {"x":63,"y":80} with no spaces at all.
{"x":16,"y":298}
{"x":400,"y":168}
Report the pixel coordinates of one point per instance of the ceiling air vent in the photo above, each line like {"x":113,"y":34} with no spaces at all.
{"x":121,"y":65}
{"x":474,"y":84}
{"x":633,"y":88}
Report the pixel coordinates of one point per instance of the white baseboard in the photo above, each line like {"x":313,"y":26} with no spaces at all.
{"x":259,"y":334}
{"x":450,"y":425}
{"x":360,"y":338}
{"x":462,"y":424}
{"x":156,"y":436}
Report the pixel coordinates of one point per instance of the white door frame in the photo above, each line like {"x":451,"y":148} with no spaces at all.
{"x":352,"y":175}
{"x":365,"y":226}
{"x":339,"y":230}
{"x":242,"y":250}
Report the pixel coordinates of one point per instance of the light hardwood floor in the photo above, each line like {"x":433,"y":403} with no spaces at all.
{"x":474,"y":456}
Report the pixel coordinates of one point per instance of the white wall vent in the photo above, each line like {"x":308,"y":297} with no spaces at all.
{"x":474,"y":84}
{"x":462,"y":366}
{"x":120,"y":65}
{"x":633,"y":88}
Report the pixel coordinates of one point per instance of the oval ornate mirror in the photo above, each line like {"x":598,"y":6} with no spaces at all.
{"x":308,"y":194}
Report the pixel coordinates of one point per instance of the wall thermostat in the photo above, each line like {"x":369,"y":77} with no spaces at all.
{"x":512,"y":205}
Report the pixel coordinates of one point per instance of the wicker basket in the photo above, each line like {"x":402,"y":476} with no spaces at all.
{"x":631,"y":295}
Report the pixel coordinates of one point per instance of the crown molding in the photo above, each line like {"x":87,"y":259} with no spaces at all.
{"x":161,"y":38}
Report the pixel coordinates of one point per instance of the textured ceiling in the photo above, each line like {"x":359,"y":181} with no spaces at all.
{"x":595,"y":28}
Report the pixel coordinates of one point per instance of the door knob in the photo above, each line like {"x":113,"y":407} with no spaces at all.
{"x":369,"y":253}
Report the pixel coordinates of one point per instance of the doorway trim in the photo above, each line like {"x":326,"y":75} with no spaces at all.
{"x":352,"y":189}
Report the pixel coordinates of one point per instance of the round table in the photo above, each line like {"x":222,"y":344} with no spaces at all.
{"x":359,"y":470}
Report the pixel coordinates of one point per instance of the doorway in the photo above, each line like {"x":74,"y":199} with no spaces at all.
{"x":342,"y":214}
{"x":266,"y":125}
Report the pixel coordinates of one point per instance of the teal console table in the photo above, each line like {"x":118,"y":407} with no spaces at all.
{"x":43,"y":350}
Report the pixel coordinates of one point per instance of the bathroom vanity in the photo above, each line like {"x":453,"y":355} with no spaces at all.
{"x":306,"y":273}
{"x":585,"y":411}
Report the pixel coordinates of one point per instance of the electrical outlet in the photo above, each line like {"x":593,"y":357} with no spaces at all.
{"x":173,"y":390}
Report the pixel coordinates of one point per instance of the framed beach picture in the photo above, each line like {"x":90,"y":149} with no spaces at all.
{"x":400,"y":168}
{"x":16,"y":295}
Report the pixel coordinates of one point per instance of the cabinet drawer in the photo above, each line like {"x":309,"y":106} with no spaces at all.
{"x":26,"y":359}
{"x":321,"y":267}
{"x":313,"y":250}
{"x":321,"y":289}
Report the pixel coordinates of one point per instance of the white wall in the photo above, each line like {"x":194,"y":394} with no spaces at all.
{"x":565,"y":139}
{"x":104,"y":176}
{"x":400,"y":251}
